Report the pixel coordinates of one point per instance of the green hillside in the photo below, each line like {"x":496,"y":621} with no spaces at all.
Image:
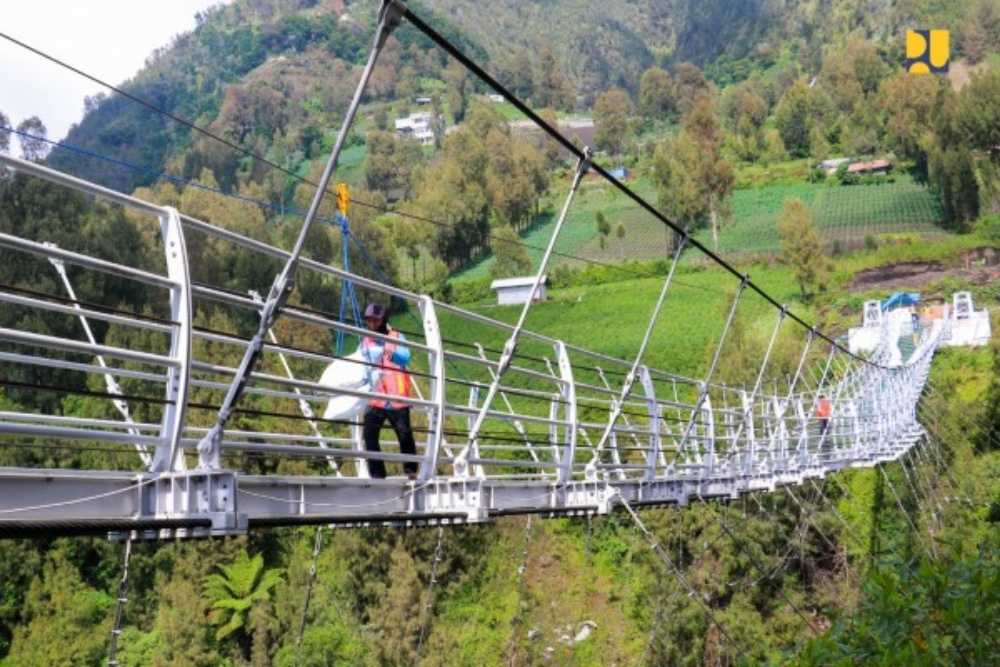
{"x":721,"y":107}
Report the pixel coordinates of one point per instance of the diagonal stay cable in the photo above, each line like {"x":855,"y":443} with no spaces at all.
{"x":390,"y":16}
{"x":672,"y":568}
{"x":510,"y":348}
{"x":631,"y":376}
{"x":756,"y":563}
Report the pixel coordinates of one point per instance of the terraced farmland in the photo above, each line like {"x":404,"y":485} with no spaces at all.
{"x":846,"y":214}
{"x":842,"y":213}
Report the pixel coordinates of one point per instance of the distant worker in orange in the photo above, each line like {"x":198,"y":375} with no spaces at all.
{"x":823,"y":413}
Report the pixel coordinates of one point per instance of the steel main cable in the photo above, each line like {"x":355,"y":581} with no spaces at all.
{"x":473,"y":67}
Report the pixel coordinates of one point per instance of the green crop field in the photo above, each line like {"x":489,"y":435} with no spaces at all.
{"x":842,"y":213}
{"x":846,"y":214}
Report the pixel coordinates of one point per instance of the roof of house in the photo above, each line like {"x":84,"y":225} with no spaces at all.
{"x":869,"y":166}
{"x":525,"y":281}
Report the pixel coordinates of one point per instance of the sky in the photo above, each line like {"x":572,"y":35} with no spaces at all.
{"x":108,"y":39}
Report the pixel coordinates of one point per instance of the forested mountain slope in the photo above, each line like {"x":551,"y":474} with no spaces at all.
{"x":582,"y":47}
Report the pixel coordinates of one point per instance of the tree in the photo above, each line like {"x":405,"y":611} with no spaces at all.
{"x":68,"y":620}
{"x":715,"y":175}
{"x":909,"y":104}
{"x":838,"y":79}
{"x":674,"y":173}
{"x":977,"y":117}
{"x":745,"y":110}
{"x":801,"y":246}
{"x":795,"y":115}
{"x":611,"y":112}
{"x":689,"y":85}
{"x":34,"y":146}
{"x":551,"y":87}
{"x":4,"y":135}
{"x":510,"y":254}
{"x":656,"y":94}
{"x":603,"y":227}
{"x":979,"y":33}
{"x":869,"y":69}
{"x":551,"y":145}
{"x":988,"y":435}
{"x":390,"y":161}
{"x":232,"y":594}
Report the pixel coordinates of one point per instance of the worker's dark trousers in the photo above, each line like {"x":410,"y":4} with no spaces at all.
{"x":400,"y":420}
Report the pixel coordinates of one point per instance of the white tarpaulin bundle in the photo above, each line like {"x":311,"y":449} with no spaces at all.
{"x":349,"y":373}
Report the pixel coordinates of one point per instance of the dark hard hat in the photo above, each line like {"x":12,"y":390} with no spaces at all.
{"x":375,"y":310}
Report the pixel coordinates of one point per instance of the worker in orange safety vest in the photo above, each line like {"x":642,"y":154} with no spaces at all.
{"x":823,"y":413}
{"x":387,"y":362}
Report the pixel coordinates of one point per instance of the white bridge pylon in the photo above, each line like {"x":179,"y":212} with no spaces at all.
{"x":566,"y":434}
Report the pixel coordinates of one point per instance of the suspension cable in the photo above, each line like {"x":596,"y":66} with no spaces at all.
{"x":427,"y":611}
{"x":522,"y":572}
{"x":672,"y":569}
{"x":123,"y":584}
{"x":317,"y":545}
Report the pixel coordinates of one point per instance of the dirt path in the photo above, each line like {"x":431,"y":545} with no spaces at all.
{"x":980,"y":267}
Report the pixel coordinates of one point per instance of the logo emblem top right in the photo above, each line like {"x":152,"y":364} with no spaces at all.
{"x":926,"y":51}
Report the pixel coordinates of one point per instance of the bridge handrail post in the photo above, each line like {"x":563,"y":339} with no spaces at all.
{"x":167,"y":456}
{"x":748,"y":401}
{"x":653,"y":455}
{"x":435,"y":430}
{"x":565,"y":472}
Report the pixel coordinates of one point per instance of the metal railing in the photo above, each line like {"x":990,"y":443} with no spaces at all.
{"x":167,"y":361}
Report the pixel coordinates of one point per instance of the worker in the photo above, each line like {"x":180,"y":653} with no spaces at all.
{"x":387,"y":363}
{"x":823,"y":413}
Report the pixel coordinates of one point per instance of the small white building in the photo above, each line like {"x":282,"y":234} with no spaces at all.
{"x":512,"y":291}
{"x":416,"y":126}
{"x":969,"y":327}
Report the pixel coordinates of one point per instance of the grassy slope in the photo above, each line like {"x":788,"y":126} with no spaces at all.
{"x":612,"y":318}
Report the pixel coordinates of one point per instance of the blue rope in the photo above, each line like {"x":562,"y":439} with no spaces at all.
{"x":347,"y":294}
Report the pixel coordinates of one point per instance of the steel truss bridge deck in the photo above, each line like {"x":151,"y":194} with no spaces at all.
{"x":568,"y":432}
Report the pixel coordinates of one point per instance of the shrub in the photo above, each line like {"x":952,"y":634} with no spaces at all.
{"x":989,"y":228}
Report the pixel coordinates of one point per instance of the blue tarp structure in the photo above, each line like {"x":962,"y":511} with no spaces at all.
{"x":621,"y":173}
{"x":900,"y":299}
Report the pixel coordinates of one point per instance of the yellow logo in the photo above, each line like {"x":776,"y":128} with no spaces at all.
{"x":926,"y":51}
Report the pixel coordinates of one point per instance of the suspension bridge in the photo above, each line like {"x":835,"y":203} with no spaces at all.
{"x":539,"y":426}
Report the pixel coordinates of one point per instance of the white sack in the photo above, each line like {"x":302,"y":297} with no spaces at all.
{"x":347,"y":373}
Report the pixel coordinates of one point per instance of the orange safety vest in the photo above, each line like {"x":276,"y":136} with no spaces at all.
{"x":823,"y":409}
{"x":394,"y":381}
